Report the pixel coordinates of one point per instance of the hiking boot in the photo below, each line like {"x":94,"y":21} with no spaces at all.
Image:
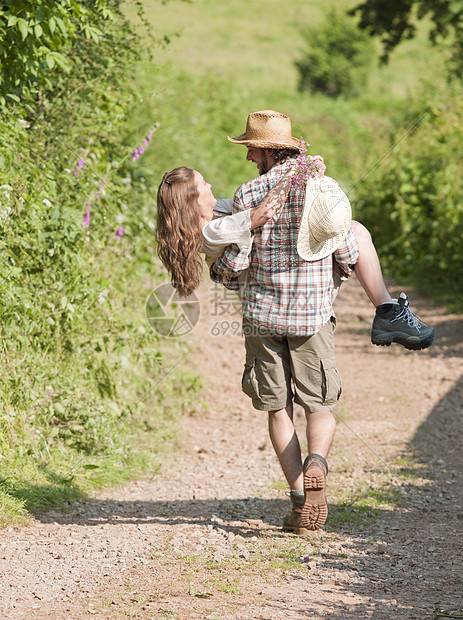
{"x":395,"y":322}
{"x":292,"y":521}
{"x":315,"y":509}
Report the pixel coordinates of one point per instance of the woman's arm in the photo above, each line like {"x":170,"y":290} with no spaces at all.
{"x":276,"y":197}
{"x":236,"y":229}
{"x":227,"y":229}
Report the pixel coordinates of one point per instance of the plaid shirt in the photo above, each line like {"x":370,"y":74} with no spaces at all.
{"x":281,"y":291}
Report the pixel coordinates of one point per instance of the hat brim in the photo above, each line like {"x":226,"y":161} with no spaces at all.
{"x":294,"y":143}
{"x":308,"y":247}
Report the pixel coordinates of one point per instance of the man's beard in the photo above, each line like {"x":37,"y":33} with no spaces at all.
{"x":267,"y":165}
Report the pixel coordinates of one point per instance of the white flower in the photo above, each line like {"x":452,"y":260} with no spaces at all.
{"x":102,"y":296}
{"x":6,"y":189}
{"x":46,"y":202}
{"x":5,"y":212}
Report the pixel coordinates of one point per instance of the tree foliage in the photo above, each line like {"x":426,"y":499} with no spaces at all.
{"x":395,"y":20}
{"x":37,"y":40}
{"x":337,"y":58}
{"x":411,"y":202}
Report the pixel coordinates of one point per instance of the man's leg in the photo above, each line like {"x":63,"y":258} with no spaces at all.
{"x":286,"y":445}
{"x":267,"y":380}
{"x":308,"y":486}
{"x":320,"y":428}
{"x":317,"y":389}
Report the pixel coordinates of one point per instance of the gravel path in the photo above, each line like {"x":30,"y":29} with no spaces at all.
{"x":202,"y":539}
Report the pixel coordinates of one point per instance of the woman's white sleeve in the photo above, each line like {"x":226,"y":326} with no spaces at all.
{"x":223,"y":206}
{"x":230,"y":229}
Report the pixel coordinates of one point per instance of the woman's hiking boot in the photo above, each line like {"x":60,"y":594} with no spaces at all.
{"x":395,"y":322}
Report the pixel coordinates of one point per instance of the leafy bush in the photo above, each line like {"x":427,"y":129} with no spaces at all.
{"x":338,"y":57}
{"x":412,"y":201}
{"x":77,"y":262}
{"x":37,"y":40}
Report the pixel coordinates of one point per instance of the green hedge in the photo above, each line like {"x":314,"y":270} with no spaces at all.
{"x":77,"y":262}
{"x":413,"y":201}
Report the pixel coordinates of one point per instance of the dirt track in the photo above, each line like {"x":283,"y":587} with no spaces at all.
{"x":202,"y":538}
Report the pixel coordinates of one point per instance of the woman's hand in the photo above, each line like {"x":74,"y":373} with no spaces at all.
{"x":301,"y":170}
{"x":276,"y":197}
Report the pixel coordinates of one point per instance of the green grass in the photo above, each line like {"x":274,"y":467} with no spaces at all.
{"x":351,"y":518}
{"x":221,"y":38}
{"x":280,"y":485}
{"x":42,"y":465}
{"x":204,"y":84}
{"x":254,"y":46}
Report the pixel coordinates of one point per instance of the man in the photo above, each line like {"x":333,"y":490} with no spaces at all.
{"x":287,"y":285}
{"x":288,"y":321}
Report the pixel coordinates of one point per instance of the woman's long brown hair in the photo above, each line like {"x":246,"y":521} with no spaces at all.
{"x":178,"y":229}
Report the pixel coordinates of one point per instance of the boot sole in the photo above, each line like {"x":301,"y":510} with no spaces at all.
{"x":299,"y":531}
{"x":315,"y":509}
{"x":412,"y":343}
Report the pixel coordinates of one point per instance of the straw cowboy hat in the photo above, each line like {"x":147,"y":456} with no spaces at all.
{"x":268,"y":129}
{"x":326,"y":219}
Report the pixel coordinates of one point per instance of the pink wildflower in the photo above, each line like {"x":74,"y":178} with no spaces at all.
{"x":141,"y":149}
{"x":120,"y":233}
{"x":80,"y":165}
{"x":86,"y":218}
{"x":307,"y":167}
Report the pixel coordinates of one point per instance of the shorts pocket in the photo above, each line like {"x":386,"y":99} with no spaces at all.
{"x":331,"y":382}
{"x":249,"y":381}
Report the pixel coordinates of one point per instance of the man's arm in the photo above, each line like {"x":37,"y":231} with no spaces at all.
{"x":347,"y":254}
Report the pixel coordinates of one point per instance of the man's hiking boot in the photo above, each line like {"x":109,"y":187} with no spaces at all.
{"x":315,"y":509}
{"x":292,"y":521}
{"x":395,"y":322}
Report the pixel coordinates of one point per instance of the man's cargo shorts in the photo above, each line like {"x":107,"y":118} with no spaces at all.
{"x":278,"y":364}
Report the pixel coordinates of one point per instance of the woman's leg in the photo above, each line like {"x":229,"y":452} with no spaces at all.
{"x":394,"y":321}
{"x":368,"y":268}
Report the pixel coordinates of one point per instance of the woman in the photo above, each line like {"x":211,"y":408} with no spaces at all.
{"x":186,"y":227}
{"x":186,"y":224}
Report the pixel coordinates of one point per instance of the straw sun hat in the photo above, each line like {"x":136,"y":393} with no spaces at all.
{"x":326,"y":219}
{"x":268,"y":129}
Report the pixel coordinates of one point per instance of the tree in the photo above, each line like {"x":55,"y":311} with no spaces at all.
{"x":395,"y":21}
{"x":337,"y":59}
